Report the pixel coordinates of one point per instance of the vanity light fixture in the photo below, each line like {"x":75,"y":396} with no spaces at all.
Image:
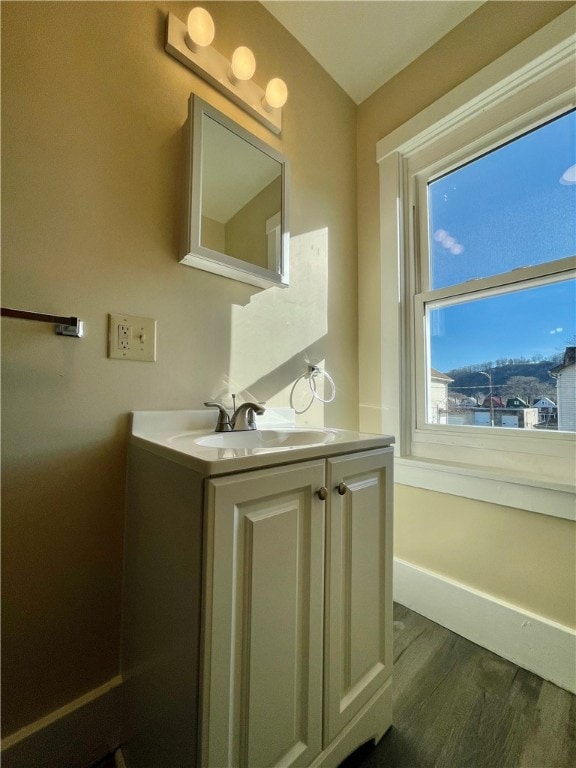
{"x":276,"y":94}
{"x":191,"y":44}
{"x":199,"y":29}
{"x":242,"y":66}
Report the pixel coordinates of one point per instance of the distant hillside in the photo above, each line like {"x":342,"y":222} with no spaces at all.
{"x":466,"y":380}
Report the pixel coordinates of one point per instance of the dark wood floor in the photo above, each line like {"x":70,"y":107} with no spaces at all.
{"x":457,"y":705}
{"x":106,"y":762}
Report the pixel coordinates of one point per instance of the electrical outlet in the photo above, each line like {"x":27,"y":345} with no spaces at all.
{"x":124,"y":336}
{"x":132,"y":338}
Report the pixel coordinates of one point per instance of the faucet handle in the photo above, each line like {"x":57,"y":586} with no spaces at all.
{"x":223,"y":423}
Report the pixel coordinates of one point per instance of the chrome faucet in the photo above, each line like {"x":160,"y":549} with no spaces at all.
{"x":241,"y":420}
{"x":243,"y":417}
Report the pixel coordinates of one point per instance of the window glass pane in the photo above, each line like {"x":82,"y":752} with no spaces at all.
{"x":505,"y":346}
{"x":513,"y":207}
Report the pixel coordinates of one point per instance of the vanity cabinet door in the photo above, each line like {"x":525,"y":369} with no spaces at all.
{"x":358,"y":628}
{"x":262,"y":666}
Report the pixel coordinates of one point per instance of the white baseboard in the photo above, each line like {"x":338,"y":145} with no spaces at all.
{"x":75,"y":735}
{"x":532,"y":642}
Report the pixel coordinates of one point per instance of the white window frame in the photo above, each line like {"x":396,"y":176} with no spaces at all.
{"x":533,"y":470}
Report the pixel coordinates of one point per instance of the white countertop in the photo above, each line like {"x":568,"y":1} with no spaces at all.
{"x":172,"y":434}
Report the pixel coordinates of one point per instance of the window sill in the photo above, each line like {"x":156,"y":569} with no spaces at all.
{"x":504,"y":488}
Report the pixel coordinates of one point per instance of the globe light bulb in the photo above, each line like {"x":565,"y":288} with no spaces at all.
{"x":200,"y":29}
{"x":243,"y":64}
{"x":276,"y":94}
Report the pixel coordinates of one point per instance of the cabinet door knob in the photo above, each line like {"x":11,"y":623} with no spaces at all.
{"x":342,"y":488}
{"x":322,"y":493}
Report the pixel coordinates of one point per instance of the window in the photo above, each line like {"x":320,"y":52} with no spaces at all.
{"x":477,"y":297}
{"x":498,"y":305}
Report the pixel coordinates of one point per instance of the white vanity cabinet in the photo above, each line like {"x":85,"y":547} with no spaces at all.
{"x":273,"y":605}
{"x":262,"y":684}
{"x":358,"y":599}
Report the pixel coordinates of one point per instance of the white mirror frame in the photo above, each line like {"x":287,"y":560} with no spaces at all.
{"x":194,"y":254}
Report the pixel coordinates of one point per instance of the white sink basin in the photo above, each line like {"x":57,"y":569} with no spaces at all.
{"x":189,"y":438}
{"x":264,"y":438}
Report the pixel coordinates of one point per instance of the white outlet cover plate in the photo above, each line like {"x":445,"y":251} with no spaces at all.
{"x":132,"y":338}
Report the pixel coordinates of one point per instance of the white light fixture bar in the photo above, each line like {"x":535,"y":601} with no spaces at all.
{"x":214,"y":68}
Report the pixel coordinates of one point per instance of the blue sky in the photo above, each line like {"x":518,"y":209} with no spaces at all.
{"x":511,"y":208}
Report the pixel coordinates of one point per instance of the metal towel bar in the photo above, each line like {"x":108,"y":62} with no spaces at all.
{"x":65,"y":326}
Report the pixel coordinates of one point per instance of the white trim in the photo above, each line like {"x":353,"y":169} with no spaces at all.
{"x":274,"y":242}
{"x":507,"y":490}
{"x":548,"y":273}
{"x":532,"y":642}
{"x":79,"y":733}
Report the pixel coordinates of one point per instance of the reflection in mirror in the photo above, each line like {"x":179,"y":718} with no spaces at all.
{"x":236,"y":207}
{"x":241,"y":191}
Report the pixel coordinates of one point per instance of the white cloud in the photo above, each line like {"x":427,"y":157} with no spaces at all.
{"x":569,"y":176}
{"x":449,"y":242}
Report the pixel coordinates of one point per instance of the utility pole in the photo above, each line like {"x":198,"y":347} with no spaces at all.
{"x":489,"y":377}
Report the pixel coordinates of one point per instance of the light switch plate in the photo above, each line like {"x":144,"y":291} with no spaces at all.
{"x":132,"y":338}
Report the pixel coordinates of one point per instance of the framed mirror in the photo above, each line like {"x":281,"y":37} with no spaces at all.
{"x":236,"y":189}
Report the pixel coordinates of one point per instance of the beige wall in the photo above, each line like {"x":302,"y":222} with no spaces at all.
{"x":92,"y":111}
{"x":213,"y":234}
{"x":521,"y":557}
{"x":246,"y":237}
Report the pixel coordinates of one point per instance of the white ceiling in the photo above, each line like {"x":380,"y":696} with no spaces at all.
{"x":364,"y":43}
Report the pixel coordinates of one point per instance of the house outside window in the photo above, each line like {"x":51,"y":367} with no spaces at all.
{"x":565,"y":375}
{"x":435,"y":297}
